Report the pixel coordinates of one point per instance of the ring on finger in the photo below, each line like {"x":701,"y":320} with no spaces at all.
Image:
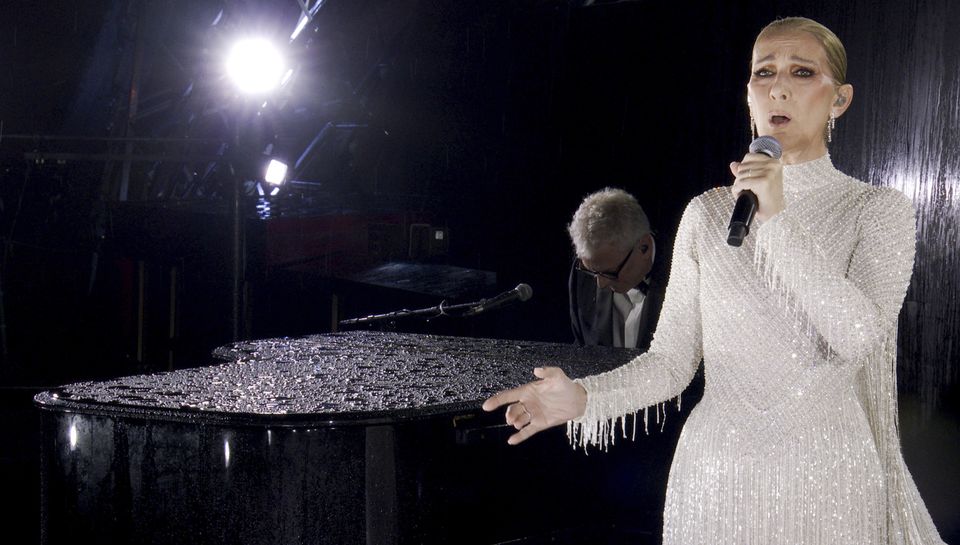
{"x":527,"y":411}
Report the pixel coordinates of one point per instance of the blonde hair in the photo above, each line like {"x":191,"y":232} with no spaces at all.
{"x":832,"y":46}
{"x":607,"y":217}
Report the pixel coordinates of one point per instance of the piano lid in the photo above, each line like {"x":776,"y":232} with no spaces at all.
{"x":357,"y":377}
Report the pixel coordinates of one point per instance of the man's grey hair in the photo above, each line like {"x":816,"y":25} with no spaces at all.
{"x":607,"y":217}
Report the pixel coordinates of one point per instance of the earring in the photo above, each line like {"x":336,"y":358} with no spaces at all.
{"x":753,"y":122}
{"x":831,"y":124}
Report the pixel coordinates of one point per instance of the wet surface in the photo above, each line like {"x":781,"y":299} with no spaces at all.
{"x":352,"y":375}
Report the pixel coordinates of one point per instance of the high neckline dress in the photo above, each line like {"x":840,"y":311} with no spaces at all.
{"x":795,"y":440}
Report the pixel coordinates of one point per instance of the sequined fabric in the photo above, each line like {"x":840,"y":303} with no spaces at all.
{"x":795,"y":440}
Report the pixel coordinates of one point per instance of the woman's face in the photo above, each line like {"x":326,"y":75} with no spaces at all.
{"x":792,"y":93}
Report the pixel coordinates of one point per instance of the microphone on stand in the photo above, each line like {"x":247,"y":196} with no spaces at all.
{"x":746,"y":206}
{"x":522,"y":292}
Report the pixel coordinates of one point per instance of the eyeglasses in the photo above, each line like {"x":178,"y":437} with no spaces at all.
{"x":608,"y":275}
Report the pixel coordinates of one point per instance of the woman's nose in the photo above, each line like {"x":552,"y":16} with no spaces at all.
{"x":780,"y":90}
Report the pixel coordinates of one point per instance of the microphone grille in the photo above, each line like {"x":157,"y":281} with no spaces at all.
{"x":767,"y":145}
{"x":524,"y":291}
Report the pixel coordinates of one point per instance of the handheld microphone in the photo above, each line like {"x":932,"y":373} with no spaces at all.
{"x":746,"y":206}
{"x":522,"y":292}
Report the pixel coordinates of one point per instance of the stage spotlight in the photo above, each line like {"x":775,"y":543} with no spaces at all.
{"x":276,"y":172}
{"x":255,"y":66}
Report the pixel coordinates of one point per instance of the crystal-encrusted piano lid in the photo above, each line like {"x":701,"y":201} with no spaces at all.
{"x":358,"y":377}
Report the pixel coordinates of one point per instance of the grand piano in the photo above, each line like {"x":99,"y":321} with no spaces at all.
{"x":357,"y":437}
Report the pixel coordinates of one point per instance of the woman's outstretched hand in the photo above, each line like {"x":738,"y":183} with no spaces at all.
{"x":541,"y":404}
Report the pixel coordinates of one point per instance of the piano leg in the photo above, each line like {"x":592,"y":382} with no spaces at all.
{"x":381,"y":486}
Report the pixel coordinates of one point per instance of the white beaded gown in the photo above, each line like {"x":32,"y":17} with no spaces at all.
{"x":795,"y":440}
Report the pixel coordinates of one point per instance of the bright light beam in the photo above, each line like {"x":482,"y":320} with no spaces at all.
{"x":255,"y":66}
{"x":276,"y":172}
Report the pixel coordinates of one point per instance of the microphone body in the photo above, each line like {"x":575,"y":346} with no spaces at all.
{"x":742,"y":217}
{"x":520,"y":293}
{"x":747,"y":203}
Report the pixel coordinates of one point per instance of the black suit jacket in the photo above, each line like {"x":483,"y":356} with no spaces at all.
{"x":591,"y":309}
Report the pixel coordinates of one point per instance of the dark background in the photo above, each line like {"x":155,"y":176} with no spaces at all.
{"x":489,"y":118}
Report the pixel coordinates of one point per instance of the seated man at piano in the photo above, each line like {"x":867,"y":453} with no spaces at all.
{"x":615,"y":289}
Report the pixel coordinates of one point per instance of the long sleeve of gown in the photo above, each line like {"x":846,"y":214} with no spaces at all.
{"x":853,"y":311}
{"x":672,"y":360}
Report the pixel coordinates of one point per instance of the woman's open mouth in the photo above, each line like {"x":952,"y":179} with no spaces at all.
{"x":778,"y":120}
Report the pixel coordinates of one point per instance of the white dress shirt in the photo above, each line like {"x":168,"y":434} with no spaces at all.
{"x":627,"y":308}
{"x":626,"y":314}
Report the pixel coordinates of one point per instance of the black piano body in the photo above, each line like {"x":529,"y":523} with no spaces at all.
{"x":343,"y":438}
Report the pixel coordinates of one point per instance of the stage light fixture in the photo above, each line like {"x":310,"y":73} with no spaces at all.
{"x":255,"y":66}
{"x":276,"y":172}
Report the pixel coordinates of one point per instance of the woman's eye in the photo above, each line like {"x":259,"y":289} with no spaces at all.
{"x":762,"y":73}
{"x":803,"y":72}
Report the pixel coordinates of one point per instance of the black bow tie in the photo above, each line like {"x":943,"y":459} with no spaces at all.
{"x":643,"y":287}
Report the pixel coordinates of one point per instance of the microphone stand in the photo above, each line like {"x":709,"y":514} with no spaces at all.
{"x":432,"y":312}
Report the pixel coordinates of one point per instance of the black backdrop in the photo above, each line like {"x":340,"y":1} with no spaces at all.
{"x":504,"y":114}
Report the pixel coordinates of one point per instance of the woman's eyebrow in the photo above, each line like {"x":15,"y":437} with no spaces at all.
{"x":770,"y":57}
